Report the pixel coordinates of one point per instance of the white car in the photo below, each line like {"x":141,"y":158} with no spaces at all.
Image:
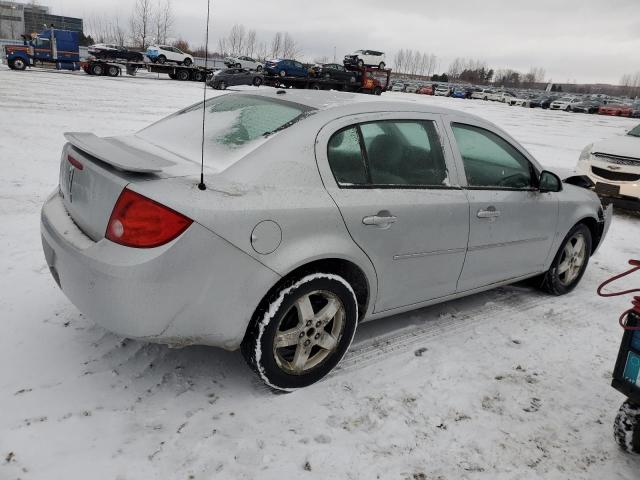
{"x":564,"y":103}
{"x":614,"y":166}
{"x":504,"y":97}
{"x":482,"y":94}
{"x":412,"y":88}
{"x":167,"y":53}
{"x":442,"y":91}
{"x":365,"y":58}
{"x":398,"y":87}
{"x":520,"y":102}
{"x":247,"y":63}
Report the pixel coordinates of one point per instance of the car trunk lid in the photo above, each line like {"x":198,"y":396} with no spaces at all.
{"x":94,"y":171}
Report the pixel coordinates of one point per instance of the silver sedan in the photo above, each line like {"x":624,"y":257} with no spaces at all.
{"x":321,"y":210}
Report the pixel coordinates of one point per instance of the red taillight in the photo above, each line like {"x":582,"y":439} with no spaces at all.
{"x":139,"y":222}
{"x":75,"y":162}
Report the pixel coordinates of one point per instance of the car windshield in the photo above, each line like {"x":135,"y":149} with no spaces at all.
{"x":635,"y":132}
{"x":234,"y":126}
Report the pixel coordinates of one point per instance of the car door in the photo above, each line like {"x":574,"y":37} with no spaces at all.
{"x":300,"y":69}
{"x":512,"y":224}
{"x":396,"y":186}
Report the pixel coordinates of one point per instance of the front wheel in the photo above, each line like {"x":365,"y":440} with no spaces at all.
{"x":187,"y":62}
{"x":222,"y":85}
{"x":257,"y":81}
{"x":113,"y":71}
{"x":381,"y":65}
{"x":570,"y":262}
{"x":161,"y":59}
{"x":283,"y":73}
{"x":18,"y":64}
{"x":302,"y":331}
{"x":259,"y":68}
{"x":626,"y":428}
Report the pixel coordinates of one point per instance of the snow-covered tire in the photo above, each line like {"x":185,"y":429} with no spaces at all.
{"x":626,"y":428}
{"x":556,"y":280}
{"x":113,"y":71}
{"x":301,"y":331}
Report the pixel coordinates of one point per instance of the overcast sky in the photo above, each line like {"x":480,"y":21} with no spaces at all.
{"x":573,"y":40}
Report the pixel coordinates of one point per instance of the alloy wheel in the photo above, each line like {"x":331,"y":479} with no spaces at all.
{"x":309,"y":332}
{"x":572,"y":259}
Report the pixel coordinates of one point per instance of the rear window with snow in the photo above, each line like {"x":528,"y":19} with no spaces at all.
{"x":234,"y":125}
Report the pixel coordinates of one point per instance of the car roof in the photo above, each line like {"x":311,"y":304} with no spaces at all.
{"x":350,"y":103}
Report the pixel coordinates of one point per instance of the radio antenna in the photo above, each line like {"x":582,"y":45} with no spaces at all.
{"x":202,"y":185}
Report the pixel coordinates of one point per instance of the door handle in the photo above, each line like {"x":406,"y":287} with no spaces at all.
{"x":490,"y":212}
{"x":382,"y":219}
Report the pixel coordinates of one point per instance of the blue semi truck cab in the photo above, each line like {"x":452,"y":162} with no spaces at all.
{"x":52,"y":46}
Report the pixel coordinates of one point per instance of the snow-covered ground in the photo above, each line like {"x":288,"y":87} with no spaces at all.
{"x":502,"y":385}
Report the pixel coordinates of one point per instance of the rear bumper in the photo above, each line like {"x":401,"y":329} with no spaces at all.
{"x":197,"y":289}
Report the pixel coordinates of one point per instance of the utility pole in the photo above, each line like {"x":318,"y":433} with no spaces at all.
{"x":334,"y":54}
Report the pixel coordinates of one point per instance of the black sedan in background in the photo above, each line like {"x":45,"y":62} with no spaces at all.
{"x":229,"y":77}
{"x":541,"y":102}
{"x":333,"y":71}
{"x":106,"y":51}
{"x":588,"y":106}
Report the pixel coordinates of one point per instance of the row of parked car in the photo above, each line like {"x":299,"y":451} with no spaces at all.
{"x":600,"y":104}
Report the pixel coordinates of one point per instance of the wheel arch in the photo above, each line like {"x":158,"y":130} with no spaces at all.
{"x":596,"y":230}
{"x":345,"y":268}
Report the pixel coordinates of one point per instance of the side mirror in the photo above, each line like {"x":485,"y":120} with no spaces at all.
{"x":549,"y":182}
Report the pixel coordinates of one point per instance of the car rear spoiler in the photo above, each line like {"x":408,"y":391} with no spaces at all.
{"x":117,"y":154}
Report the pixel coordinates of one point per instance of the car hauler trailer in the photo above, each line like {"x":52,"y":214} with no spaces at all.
{"x":52,"y":47}
{"x":368,"y":80}
{"x":114,"y":68}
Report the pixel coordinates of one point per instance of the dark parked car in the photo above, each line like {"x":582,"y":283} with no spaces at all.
{"x":541,"y":102}
{"x":114,"y":52}
{"x":286,"y":68}
{"x":234,"y":76}
{"x":636,"y":109}
{"x":334,"y":71}
{"x":588,"y":106}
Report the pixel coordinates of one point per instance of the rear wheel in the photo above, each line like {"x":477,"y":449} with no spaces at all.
{"x":257,"y":81}
{"x":283,"y":73}
{"x":161,"y":59}
{"x":377,"y":91}
{"x":187,"y":62}
{"x":360,"y":64}
{"x":302,"y":331}
{"x":222,"y":85}
{"x":97,"y":69}
{"x":570,"y":262}
{"x":182,"y":75}
{"x":113,"y":71}
{"x":259,"y":68}
{"x":381,"y":65}
{"x":626,"y":428}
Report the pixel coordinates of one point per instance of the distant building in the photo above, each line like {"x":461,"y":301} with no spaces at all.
{"x":26,"y":18}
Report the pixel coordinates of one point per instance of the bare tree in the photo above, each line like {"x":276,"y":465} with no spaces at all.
{"x":290,"y":48}
{"x":141,"y":21}
{"x":163,"y":21}
{"x":262,"y":51}
{"x":276,"y":45}
{"x":250,"y":43}
{"x":236,"y":39}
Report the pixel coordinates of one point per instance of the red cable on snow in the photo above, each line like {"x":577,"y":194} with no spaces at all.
{"x":636,"y":300}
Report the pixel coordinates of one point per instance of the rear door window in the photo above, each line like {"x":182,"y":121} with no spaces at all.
{"x":390,"y":153}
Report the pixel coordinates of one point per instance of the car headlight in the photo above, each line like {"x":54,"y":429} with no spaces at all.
{"x":586,"y":153}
